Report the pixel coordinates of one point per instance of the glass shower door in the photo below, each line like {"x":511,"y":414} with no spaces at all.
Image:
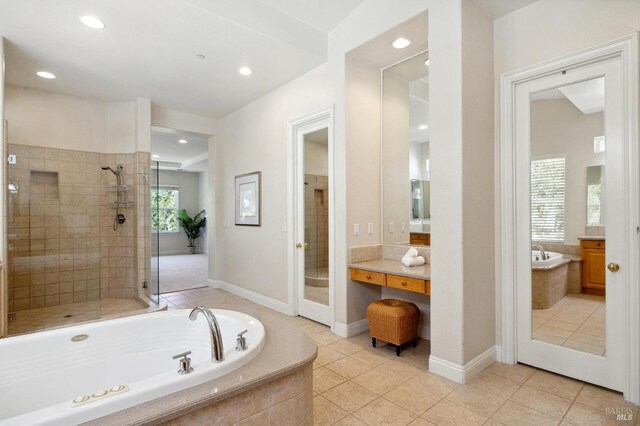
{"x":154,"y":285}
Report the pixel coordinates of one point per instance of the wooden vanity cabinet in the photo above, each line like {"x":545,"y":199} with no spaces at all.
{"x":593,"y":257}
{"x":394,"y":281}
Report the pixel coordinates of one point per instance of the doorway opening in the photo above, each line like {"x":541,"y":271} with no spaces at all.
{"x":179,"y":204}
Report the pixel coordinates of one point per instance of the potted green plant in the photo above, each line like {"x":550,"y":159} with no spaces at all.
{"x":192,"y":226}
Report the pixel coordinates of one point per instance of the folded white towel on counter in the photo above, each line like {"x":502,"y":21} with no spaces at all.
{"x":413,"y":261}
{"x":412,"y":252}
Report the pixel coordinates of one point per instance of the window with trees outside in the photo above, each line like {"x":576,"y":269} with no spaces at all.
{"x":547,"y":199}
{"x":164,"y":209}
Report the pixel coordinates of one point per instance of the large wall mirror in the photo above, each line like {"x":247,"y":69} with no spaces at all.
{"x":405,"y":152}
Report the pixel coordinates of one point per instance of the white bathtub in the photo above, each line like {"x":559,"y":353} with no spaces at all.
{"x":42,"y":373}
{"x":553,"y":258}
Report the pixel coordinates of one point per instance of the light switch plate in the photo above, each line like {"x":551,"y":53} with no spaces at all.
{"x":391,"y":228}
{"x":370,"y":228}
{"x":356,"y":229}
{"x":403,"y":227}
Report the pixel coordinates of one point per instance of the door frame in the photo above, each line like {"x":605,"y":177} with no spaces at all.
{"x":627,"y":49}
{"x":294,"y":131}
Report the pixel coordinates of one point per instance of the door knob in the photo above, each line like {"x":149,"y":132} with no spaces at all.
{"x":306,"y":245}
{"x":613,"y":267}
{"x":299,"y":245}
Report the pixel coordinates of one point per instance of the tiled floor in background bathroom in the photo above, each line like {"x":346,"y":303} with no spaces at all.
{"x":355,"y":384}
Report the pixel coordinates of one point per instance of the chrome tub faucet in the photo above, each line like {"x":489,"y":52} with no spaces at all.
{"x":543,"y":255}
{"x":217,"y":348}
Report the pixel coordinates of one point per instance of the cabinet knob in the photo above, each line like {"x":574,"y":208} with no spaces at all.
{"x":369,"y":276}
{"x":403,"y":283}
{"x":613,"y":267}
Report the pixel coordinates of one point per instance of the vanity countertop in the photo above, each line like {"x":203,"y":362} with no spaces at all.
{"x":592,"y":237}
{"x":394,"y":267}
{"x":420,"y":232}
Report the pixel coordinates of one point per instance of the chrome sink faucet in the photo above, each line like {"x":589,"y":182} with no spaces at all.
{"x":217,"y":348}
{"x":543,"y":255}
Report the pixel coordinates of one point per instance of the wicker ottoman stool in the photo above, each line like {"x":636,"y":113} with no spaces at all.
{"x":393,"y":321}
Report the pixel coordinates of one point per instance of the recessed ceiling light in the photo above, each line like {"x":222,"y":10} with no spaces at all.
{"x":92,"y":22}
{"x":245,"y":71}
{"x":182,"y":141}
{"x":200,"y":56}
{"x":155,"y":156}
{"x":423,"y":127}
{"x":401,"y":43}
{"x":46,"y":74}
{"x":426,"y":62}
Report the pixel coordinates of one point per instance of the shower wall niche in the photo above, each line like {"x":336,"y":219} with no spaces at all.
{"x":62,"y":247}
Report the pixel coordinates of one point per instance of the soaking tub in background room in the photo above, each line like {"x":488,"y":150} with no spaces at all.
{"x":552,"y":259}
{"x":129,"y":359}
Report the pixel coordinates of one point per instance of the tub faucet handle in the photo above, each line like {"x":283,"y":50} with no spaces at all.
{"x":241,"y":342}
{"x":184,"y":363}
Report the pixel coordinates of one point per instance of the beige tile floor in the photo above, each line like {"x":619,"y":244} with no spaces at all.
{"x":38,"y":319}
{"x":355,"y":384}
{"x":576,"y":321}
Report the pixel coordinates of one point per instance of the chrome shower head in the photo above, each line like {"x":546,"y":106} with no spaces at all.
{"x":115,"y":172}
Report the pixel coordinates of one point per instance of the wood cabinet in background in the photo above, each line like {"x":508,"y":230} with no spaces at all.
{"x":593,"y":257}
{"x":419,"y":239}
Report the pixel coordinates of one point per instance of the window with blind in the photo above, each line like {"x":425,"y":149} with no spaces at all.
{"x":547,"y":199}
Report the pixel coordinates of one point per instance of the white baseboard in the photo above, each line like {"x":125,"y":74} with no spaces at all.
{"x":274,"y":304}
{"x":498,"y":353}
{"x":351,"y":329}
{"x":178,"y":252}
{"x":462,"y":373}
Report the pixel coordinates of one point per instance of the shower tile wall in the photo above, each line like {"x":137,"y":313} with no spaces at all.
{"x":62,"y":248}
{"x":316,"y":223}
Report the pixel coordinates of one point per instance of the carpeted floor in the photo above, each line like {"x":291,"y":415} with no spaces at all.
{"x":183,"y":272}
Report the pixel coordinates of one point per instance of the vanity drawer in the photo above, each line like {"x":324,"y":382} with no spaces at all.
{"x":406,"y":283}
{"x":367,"y":276}
{"x":592,"y":243}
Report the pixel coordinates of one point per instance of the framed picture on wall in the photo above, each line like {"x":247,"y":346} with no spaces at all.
{"x":249,"y":199}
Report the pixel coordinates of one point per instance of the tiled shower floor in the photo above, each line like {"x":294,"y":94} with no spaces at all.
{"x":31,"y":320}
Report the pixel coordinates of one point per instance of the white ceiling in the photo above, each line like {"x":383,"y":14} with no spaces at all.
{"x":148,"y":48}
{"x":498,"y":8}
{"x":322,"y":15}
{"x":379,"y":52}
{"x":191,"y":156}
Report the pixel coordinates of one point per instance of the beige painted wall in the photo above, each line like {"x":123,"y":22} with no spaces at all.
{"x":255,"y":258}
{"x":316,"y":158}
{"x":568,"y":26}
{"x":558,"y":127}
{"x":38,"y":118}
{"x":477,"y":195}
